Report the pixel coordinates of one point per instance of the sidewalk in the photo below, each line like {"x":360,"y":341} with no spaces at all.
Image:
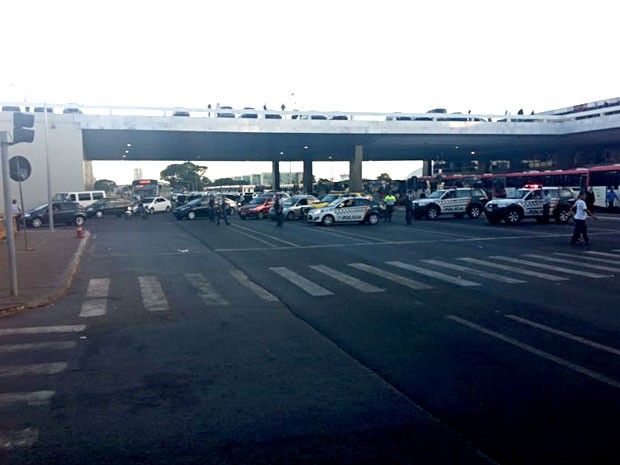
{"x":45,"y":268}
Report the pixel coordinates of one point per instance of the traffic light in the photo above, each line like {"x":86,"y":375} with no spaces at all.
{"x":21,"y":123}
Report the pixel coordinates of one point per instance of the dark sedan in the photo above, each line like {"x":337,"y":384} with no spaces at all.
{"x":197,"y":208}
{"x":64,"y":212}
{"x":107,"y":206}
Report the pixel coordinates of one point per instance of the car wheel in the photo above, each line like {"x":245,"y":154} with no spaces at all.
{"x":37,"y":222}
{"x":327,"y":220}
{"x":290,"y":216}
{"x":513,"y":216}
{"x":79,"y":220}
{"x":432,"y":213}
{"x":151,"y":210}
{"x":191,"y":216}
{"x":562,"y":215}
{"x":373,"y":218}
{"x":474,"y":211}
{"x":261,"y":215}
{"x":167,"y":209}
{"x":99,"y":214}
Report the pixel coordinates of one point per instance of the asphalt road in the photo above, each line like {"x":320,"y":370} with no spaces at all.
{"x":448,"y":341}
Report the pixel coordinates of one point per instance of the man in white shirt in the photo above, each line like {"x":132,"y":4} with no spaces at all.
{"x":580,"y":215}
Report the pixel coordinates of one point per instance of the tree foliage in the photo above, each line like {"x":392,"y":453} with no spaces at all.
{"x":186,"y":175}
{"x":384,"y":177}
{"x":105,"y":185}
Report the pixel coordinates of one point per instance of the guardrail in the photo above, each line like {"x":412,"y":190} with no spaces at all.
{"x":251,"y":113}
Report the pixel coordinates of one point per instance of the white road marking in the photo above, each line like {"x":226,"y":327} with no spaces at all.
{"x":260,"y":291}
{"x":347,"y":279}
{"x":434,"y":274}
{"x":18,"y":439}
{"x":153,"y":296}
{"x":98,"y":288}
{"x":410,"y":283}
{"x":574,"y":263}
{"x":206,"y":291}
{"x":603,"y":254}
{"x":559,"y":269}
{"x":33,"y":399}
{"x":586,"y":258}
{"x":484,"y":274}
{"x":559,"y":332}
{"x":514,"y":269}
{"x":304,"y":284}
{"x":33,"y":369}
{"x":96,"y":300}
{"x":546,"y":355}
{"x":43,"y":330}
{"x":61,"y":345}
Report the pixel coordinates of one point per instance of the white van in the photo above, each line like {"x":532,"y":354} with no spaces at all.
{"x":84,"y":198}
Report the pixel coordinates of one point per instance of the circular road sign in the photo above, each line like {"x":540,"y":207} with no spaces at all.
{"x":19,"y":168}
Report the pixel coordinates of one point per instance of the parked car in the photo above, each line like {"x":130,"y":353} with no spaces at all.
{"x":458,"y":202}
{"x":155,"y":204}
{"x":295,"y":207}
{"x":63,"y":212}
{"x":197,"y":208}
{"x":348,"y":210}
{"x":259,"y":206}
{"x":107,"y":206}
{"x":329,"y":198}
{"x":225,"y":112}
{"x":527,"y":203}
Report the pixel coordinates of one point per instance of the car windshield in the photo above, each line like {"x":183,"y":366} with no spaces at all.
{"x":289,"y":202}
{"x":148,"y":200}
{"x":258,"y":201}
{"x":437,"y":194}
{"x":40,"y":208}
{"x":194,"y":202}
{"x":329,"y":198}
{"x":519,"y":194}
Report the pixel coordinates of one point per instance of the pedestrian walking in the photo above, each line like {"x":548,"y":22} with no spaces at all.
{"x":580,"y":215}
{"x":590,"y":199}
{"x":221,"y":210}
{"x":546,"y":201}
{"x":408,"y":207}
{"x":278,"y":205}
{"x":211,"y":204}
{"x":390,"y":202}
{"x":610,"y":198}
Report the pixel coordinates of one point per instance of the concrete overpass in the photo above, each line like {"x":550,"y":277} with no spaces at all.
{"x":69,"y":141}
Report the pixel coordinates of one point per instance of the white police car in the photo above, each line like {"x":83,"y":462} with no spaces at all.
{"x":459,"y":201}
{"x":347,"y":210}
{"x":527,"y":202}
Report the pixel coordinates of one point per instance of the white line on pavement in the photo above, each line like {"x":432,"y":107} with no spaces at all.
{"x":33,"y":399}
{"x":153,"y":296}
{"x":33,"y":369}
{"x":434,"y":274}
{"x":513,"y":269}
{"x":260,"y":291}
{"x":559,"y":269}
{"x":559,"y":332}
{"x":347,"y":279}
{"x":410,"y":283}
{"x":304,"y":284}
{"x":18,"y":439}
{"x":43,"y":330}
{"x":206,"y":291}
{"x":546,"y":355}
{"x":574,"y":263}
{"x":61,"y":345}
{"x":484,"y":274}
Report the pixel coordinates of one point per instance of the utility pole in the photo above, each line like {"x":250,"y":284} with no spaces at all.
{"x":8,"y":217}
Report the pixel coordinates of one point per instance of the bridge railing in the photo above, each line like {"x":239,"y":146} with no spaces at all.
{"x":335,"y":116}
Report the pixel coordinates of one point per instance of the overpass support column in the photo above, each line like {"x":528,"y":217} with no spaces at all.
{"x":307,"y":176}
{"x":355,"y":169}
{"x":275,"y":172}
{"x":427,"y":168}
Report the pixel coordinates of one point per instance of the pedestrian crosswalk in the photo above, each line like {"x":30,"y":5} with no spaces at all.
{"x":52,"y":346}
{"x":326,"y":281}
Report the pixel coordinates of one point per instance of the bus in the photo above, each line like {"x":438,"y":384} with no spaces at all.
{"x":598,"y":178}
{"x":142,"y":188}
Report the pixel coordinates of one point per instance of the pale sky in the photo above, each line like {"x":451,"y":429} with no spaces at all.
{"x":487,"y":56}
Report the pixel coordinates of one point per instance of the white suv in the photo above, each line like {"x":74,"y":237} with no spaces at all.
{"x":457,"y":202}
{"x":528,"y":203}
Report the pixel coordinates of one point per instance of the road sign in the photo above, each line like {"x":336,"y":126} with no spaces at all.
{"x":19,"y":168}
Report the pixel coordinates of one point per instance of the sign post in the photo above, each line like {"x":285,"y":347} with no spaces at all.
{"x":20,"y":170}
